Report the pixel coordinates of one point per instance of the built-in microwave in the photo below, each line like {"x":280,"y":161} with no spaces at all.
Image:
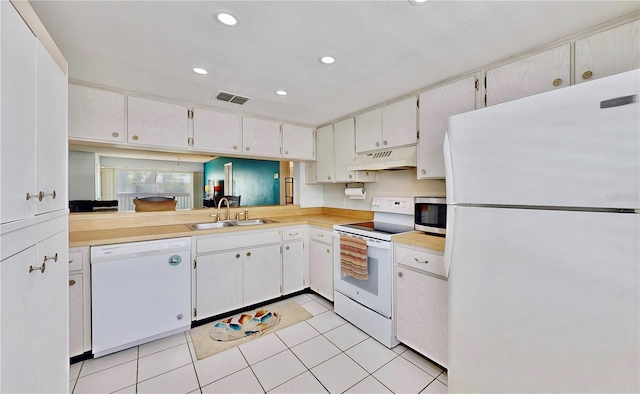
{"x":431,"y":215}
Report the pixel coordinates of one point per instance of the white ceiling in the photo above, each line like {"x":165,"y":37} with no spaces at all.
{"x":384,"y":49}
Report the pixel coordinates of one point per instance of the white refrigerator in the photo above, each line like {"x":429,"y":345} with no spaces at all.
{"x":543,"y":242}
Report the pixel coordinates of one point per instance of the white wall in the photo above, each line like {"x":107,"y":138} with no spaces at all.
{"x":402,"y":183}
{"x":306,"y":196}
{"x":82,"y":175}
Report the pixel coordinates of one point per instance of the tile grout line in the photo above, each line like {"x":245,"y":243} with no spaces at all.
{"x":193,"y":363}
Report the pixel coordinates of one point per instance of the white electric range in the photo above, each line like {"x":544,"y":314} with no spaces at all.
{"x":368,"y":304}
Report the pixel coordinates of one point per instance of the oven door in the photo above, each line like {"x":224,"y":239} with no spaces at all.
{"x":374,"y":293}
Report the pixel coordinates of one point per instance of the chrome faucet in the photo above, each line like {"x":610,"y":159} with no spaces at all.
{"x":228,"y":208}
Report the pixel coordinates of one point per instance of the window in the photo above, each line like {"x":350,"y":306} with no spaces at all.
{"x":150,"y":183}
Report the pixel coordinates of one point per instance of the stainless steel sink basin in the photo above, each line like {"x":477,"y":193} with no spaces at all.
{"x":253,"y":222}
{"x":229,"y":223}
{"x":209,"y":226}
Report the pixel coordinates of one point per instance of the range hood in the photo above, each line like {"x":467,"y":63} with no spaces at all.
{"x":388,"y":159}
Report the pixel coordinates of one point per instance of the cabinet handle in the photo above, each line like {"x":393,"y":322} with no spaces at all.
{"x":70,"y":261}
{"x":235,"y":147}
{"x":377,"y":144}
{"x":350,"y":176}
{"x":135,"y":138}
{"x":30,"y":196}
{"x":400,"y":274}
{"x":421,"y":262}
{"x":42,"y":195}
{"x":384,"y":142}
{"x":328,"y":251}
{"x":248,"y":254}
{"x":41,"y":268}
{"x":286,"y":248}
{"x":72,"y":282}
{"x":54,"y":258}
{"x":115,"y":135}
{"x":238,"y":256}
{"x":423,"y":171}
{"x":247,"y":148}
{"x":320,"y":235}
{"x":329,"y":177}
{"x":587,"y":75}
{"x":286,"y":152}
{"x":292,"y":235}
{"x":557,"y":82}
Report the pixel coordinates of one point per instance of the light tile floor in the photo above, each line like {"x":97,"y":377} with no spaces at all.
{"x":322,"y":354}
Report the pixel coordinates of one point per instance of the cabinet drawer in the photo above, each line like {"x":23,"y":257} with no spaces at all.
{"x":292,"y":233}
{"x":421,"y":259}
{"x":216,"y":243}
{"x":76,"y":259}
{"x":320,"y":235}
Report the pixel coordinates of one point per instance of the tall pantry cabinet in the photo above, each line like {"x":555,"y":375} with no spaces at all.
{"x":34,"y":354}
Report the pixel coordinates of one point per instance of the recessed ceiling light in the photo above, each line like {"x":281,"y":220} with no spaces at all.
{"x":281,"y":92}
{"x":199,"y":70}
{"x":417,"y":2}
{"x":327,"y":59}
{"x":226,"y":18}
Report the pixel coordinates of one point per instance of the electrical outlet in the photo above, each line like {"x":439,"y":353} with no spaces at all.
{"x":276,"y":176}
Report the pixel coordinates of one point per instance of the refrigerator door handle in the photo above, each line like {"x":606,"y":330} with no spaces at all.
{"x":448,"y":241}
{"x":448,"y":170}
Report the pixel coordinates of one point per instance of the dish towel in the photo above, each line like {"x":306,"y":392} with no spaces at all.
{"x":353,"y":257}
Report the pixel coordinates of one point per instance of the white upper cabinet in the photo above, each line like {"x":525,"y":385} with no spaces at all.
{"x":157,"y":123}
{"x":96,"y":115}
{"x":51,"y":134}
{"x":216,"y":131}
{"x":18,"y":116}
{"x":535,"y":74}
{"x":325,"y":166}
{"x":607,"y":53}
{"x":345,"y":154}
{"x":399,"y":123}
{"x":387,"y":127}
{"x":298,"y":143}
{"x":260,"y":137}
{"x":369,"y":131}
{"x":436,"y":106}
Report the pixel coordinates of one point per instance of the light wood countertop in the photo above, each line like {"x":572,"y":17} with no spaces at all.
{"x":418,"y":238}
{"x":147,"y":233}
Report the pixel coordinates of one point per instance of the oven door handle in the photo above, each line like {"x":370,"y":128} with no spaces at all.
{"x":371,"y":243}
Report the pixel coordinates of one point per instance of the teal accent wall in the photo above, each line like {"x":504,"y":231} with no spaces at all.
{"x":252,"y":179}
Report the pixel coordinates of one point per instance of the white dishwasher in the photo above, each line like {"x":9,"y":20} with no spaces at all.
{"x":140,"y":291}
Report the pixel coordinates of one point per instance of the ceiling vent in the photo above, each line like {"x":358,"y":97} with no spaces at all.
{"x":232,"y":98}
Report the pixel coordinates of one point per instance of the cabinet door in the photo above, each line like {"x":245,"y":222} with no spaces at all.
{"x":607,"y":53}
{"x":310,"y":173}
{"x":18,"y":116}
{"x":321,"y":269}
{"x":535,"y":74}
{"x":51,"y":134}
{"x":400,"y":123}
{"x":436,"y":106}
{"x":297,"y":142}
{"x":218,"y":283}
{"x":156,"y":123}
{"x":369,"y":131}
{"x":19,"y":323}
{"x":216,"y":131}
{"x":292,"y":267}
{"x":421,"y":313}
{"x":262,"y":275}
{"x":260,"y":137}
{"x":95,"y":114}
{"x":325,"y":165}
{"x":76,"y":315}
{"x":53,"y":314}
{"x":345,"y":150}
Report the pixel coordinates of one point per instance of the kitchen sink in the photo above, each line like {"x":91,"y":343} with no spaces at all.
{"x":209,"y":226}
{"x":229,"y":223}
{"x":253,"y":222}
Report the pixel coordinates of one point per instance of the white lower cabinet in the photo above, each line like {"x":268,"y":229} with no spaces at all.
{"x":79,"y":301}
{"x":34,"y":347}
{"x":421,"y":306}
{"x":321,"y":262}
{"x":249,"y":271}
{"x":294,"y":260}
